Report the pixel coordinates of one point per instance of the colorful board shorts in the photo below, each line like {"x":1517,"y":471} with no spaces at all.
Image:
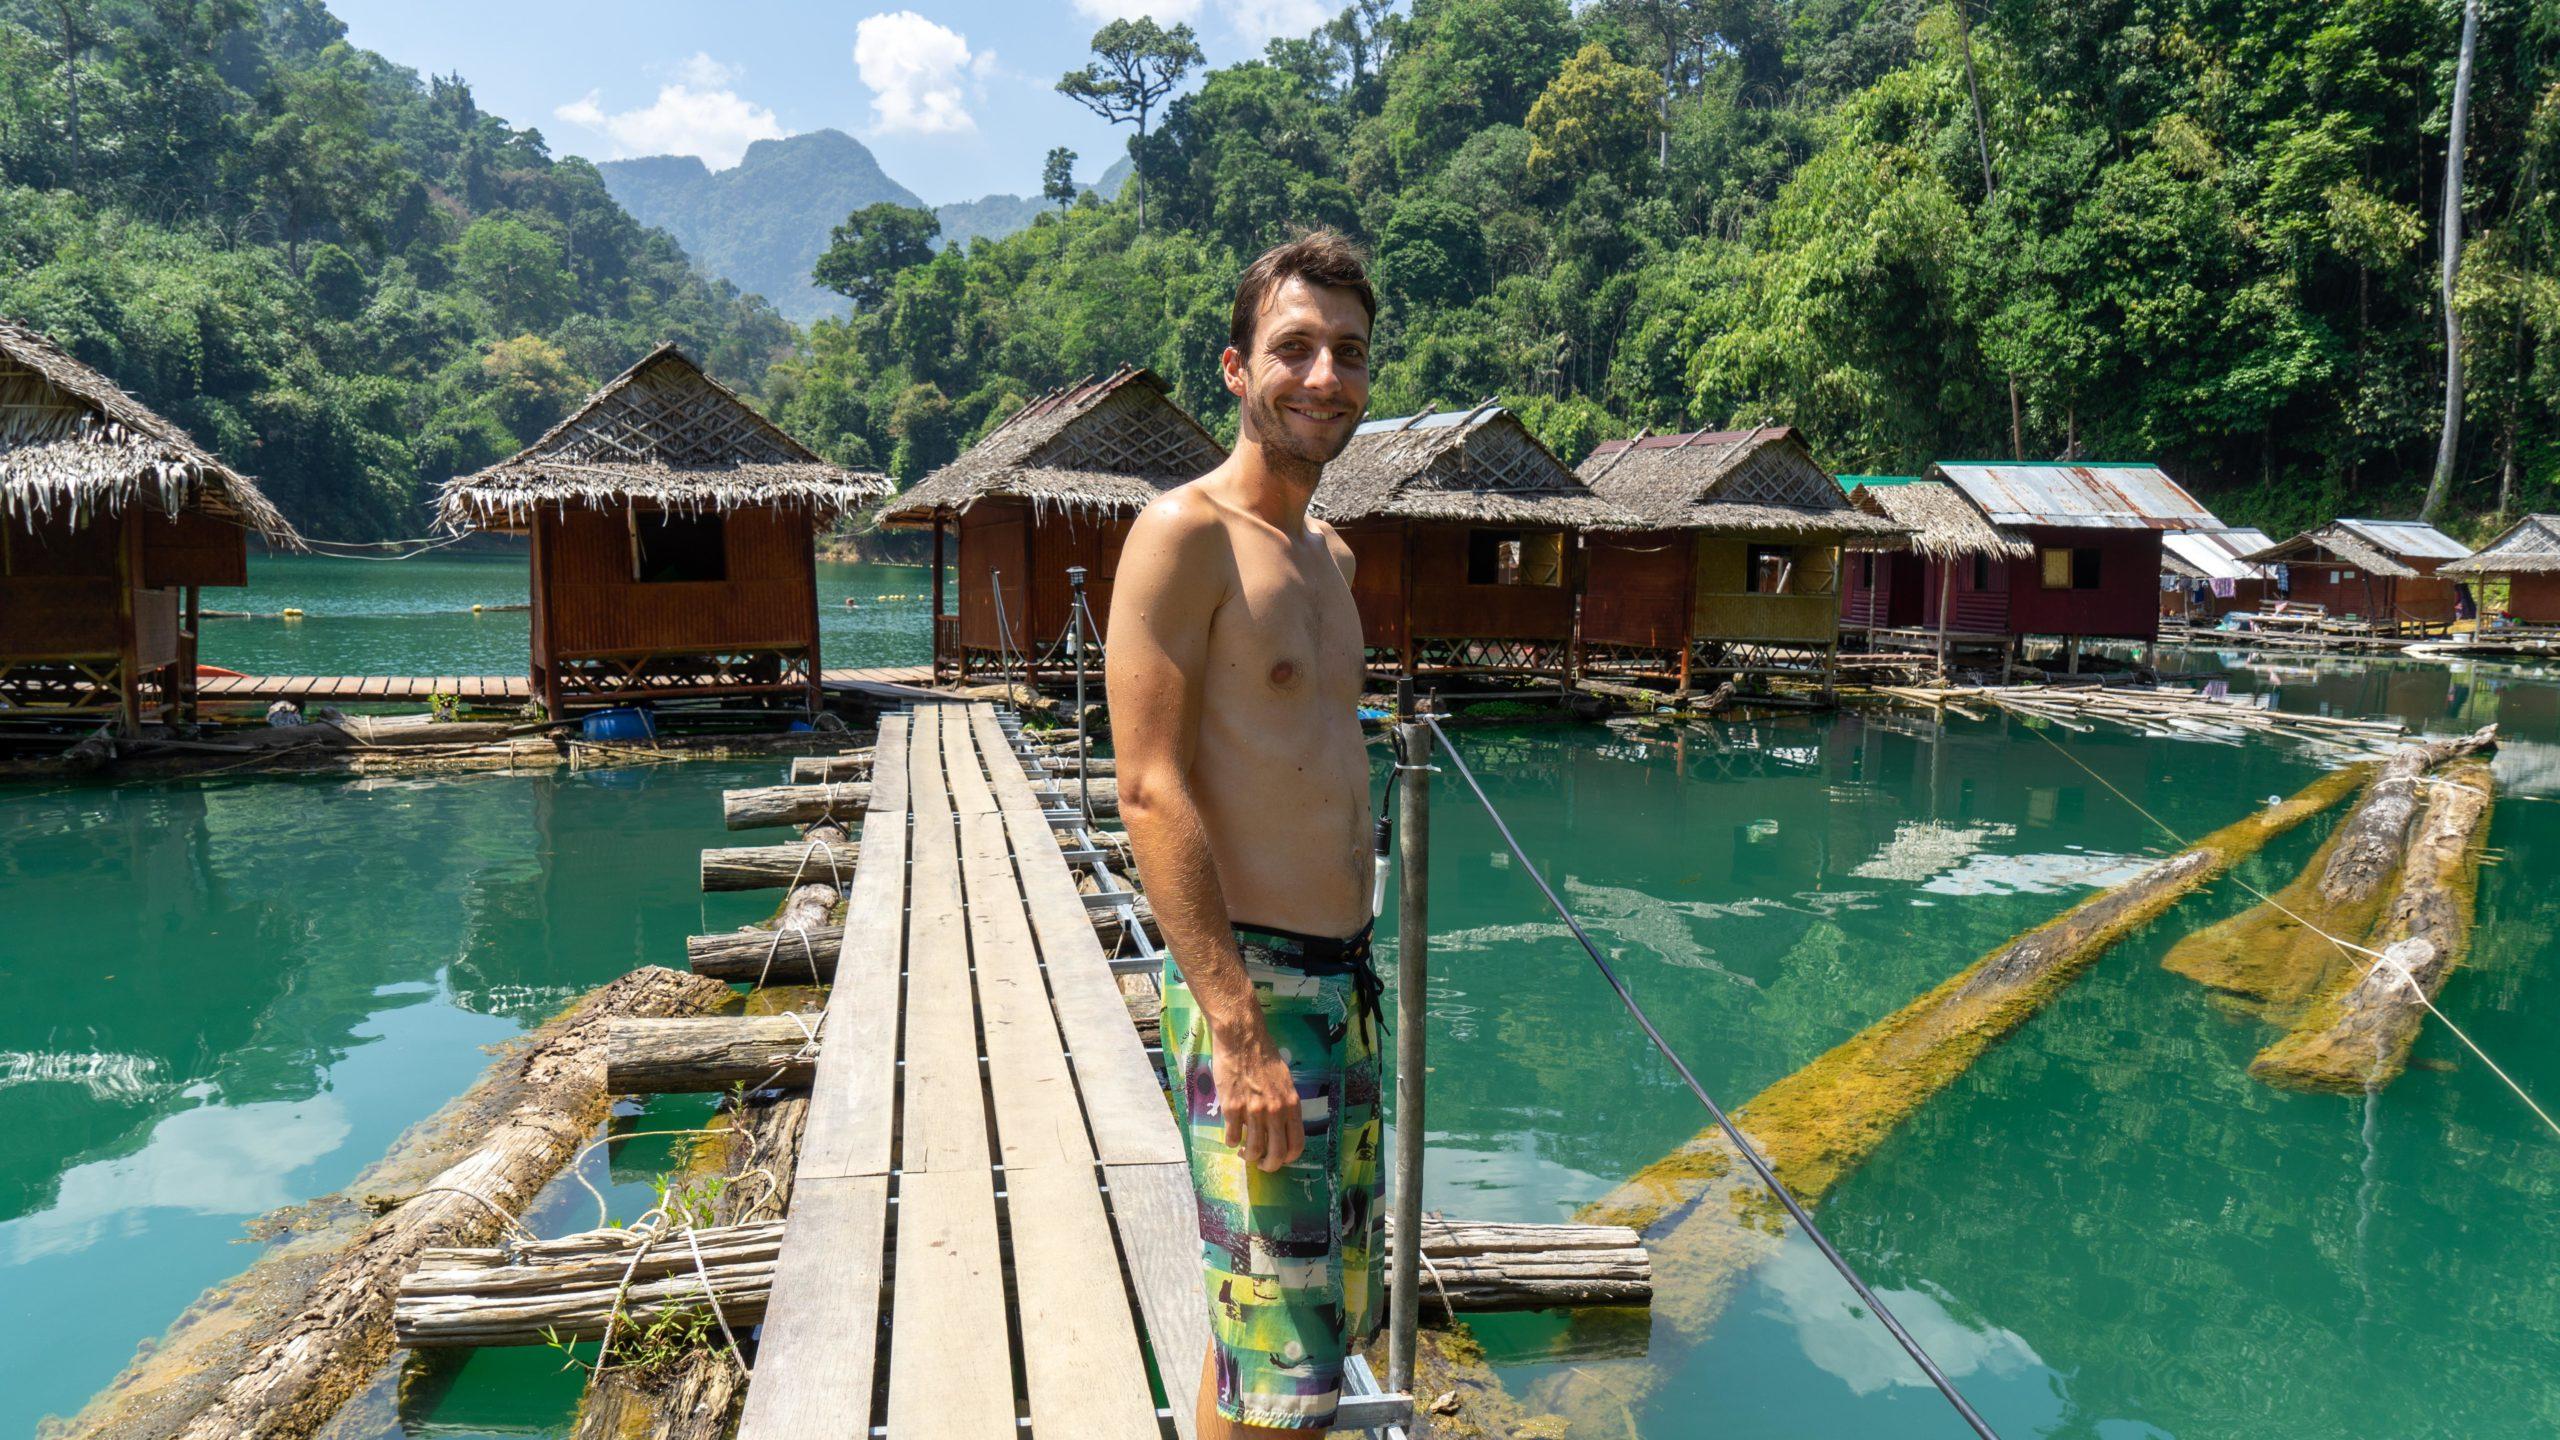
{"x":1291,"y":1258}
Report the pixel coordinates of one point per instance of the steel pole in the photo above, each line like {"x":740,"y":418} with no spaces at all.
{"x":1413,"y":976}
{"x":1075,"y":647}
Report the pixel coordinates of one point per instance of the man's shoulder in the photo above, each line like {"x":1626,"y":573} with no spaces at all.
{"x":1187,"y":515}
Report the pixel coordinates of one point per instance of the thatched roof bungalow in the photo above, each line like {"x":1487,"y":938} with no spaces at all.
{"x":2381,"y":571}
{"x":1897,"y":585}
{"x":1462,"y":525}
{"x":1737,"y":566}
{"x":1054,"y":486}
{"x":111,"y":520}
{"x":674,"y":541}
{"x":2527,"y":553}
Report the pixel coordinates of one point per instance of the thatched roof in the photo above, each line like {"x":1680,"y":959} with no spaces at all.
{"x":2531,"y":546}
{"x":1480,"y":466}
{"x":1944,"y":525}
{"x":2377,"y":547}
{"x":1729,"y":482}
{"x":661,"y":432}
{"x":1106,"y":445}
{"x":72,"y":443}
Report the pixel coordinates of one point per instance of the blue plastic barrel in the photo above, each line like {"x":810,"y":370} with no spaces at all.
{"x":627,"y":723}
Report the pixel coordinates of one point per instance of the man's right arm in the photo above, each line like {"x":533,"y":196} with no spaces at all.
{"x":1175,"y":570}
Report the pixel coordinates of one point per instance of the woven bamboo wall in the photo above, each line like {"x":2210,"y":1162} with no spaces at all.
{"x":1726,"y":609}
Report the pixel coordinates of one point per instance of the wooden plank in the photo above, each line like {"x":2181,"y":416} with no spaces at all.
{"x":943,"y":1099}
{"x":1039,"y":1123}
{"x":851,"y":1101}
{"x":1081,"y":1365}
{"x":1158,"y":1219}
{"x":950,"y":1367}
{"x":814,"y":1363}
{"x":970,"y":794}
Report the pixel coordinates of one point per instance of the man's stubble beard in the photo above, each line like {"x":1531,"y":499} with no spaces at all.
{"x":1287,"y":451}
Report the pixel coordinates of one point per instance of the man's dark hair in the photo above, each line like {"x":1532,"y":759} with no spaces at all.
{"x":1319,"y":257}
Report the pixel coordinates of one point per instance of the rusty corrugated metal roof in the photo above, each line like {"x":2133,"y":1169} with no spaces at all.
{"x":2076,"y":496}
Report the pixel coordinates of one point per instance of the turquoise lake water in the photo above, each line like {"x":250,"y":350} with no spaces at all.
{"x":2105,"y":1229}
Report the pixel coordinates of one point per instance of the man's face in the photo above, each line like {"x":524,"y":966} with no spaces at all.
{"x":1306,"y":384}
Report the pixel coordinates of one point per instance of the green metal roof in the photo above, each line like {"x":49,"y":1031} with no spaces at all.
{"x":1852,"y":482}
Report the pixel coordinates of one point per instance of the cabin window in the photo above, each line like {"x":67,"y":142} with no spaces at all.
{"x":1981,"y":573}
{"x":1512,"y":557}
{"x":2071,"y":569}
{"x":1768,"y":569}
{"x":672,"y":548}
{"x":1867,"y":571}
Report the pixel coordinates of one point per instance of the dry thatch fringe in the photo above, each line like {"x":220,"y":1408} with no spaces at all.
{"x":1943,"y":524}
{"x":664,"y":432}
{"x":1487,"y":468}
{"x":72,"y":443}
{"x":2531,"y":546}
{"x":1101,"y":447}
{"x":1729,"y":482}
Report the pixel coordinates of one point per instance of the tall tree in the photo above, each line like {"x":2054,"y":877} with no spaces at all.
{"x":1137,"y":64}
{"x":2450,"y":440}
{"x":1058,"y":177}
{"x":866,"y":252}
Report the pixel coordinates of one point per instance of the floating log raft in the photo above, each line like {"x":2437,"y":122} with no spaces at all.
{"x":762,"y":867}
{"x":662,"y":1057}
{"x":1707,"y":1219}
{"x":2356,"y":1036}
{"x":844,"y":801}
{"x":2276,"y":953}
{"x":2180,"y":714}
{"x":569,"y":1287}
{"x":821,"y":769}
{"x":319,"y":1321}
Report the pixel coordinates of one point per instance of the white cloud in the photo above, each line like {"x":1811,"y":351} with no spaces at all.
{"x":1262,"y":21}
{"x":699,"y":113}
{"x":1164,"y":12}
{"x":916,"y":71}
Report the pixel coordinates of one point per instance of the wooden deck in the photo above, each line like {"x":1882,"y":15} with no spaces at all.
{"x":993,"y":1224}
{"x":484,"y":689}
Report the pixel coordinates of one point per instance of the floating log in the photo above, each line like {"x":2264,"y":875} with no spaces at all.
{"x":272,"y":1355}
{"x":1707,"y":1219}
{"x":661,"y":1057}
{"x":569,"y":1287}
{"x":2356,"y":1035}
{"x":841,"y":801}
{"x":819,"y":769}
{"x":808,"y":957}
{"x":2275,"y":953}
{"x":762,"y":867}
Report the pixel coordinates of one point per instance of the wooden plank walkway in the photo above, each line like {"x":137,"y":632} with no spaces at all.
{"x":993,"y":1225}
{"x":485,"y":688}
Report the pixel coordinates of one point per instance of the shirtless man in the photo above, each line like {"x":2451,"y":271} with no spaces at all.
{"x":1234,"y":673}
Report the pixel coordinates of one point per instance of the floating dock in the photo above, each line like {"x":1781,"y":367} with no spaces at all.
{"x":484,"y":689}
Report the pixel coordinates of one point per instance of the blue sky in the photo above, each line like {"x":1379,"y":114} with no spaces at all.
{"x":953,"y":95}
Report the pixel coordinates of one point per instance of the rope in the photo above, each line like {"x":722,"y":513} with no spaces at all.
{"x":1750,"y":1154}
{"x":2345,"y":946}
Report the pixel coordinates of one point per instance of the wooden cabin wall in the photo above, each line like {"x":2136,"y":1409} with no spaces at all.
{"x":992,"y":536}
{"x":1638,"y":585}
{"x":2533,"y":599}
{"x":1060,"y":539}
{"x":2338,"y":587}
{"x":1445,"y":606}
{"x":58,"y":590}
{"x":593,"y":606}
{"x":2425,"y":597}
{"x":1981,"y":609}
{"x":1377,"y":582}
{"x":2125,"y":603}
{"x":193,"y":548}
{"x":1882,"y":587}
{"x":1808,"y":612}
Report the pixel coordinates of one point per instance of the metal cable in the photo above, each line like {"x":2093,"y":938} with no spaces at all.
{"x":1750,"y":1155}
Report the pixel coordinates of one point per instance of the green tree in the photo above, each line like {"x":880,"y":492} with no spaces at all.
{"x":516,"y":270}
{"x":1058,"y":177}
{"x":866,"y":252}
{"x":1592,"y":120}
{"x":1136,"y":64}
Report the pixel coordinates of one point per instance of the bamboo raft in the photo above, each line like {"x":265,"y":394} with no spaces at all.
{"x":2174,"y":714}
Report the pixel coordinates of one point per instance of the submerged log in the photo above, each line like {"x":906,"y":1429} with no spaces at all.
{"x":2276,"y":954}
{"x":841,"y":801}
{"x":1707,"y":1219}
{"x":2356,"y":1035}
{"x":661,"y":1057}
{"x":274,"y":1354}
{"x":762,"y":867}
{"x":569,"y":1286}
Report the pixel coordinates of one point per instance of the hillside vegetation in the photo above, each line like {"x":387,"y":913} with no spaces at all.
{"x":2197,"y":231}
{"x":346,"y":280}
